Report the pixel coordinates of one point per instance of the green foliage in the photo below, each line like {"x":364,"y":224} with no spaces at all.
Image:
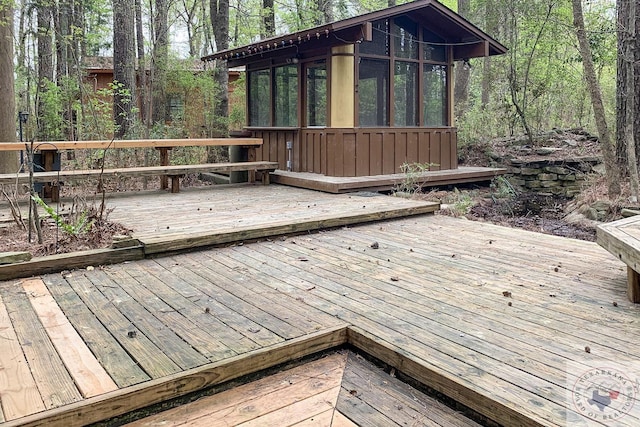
{"x":462,"y":203}
{"x":50,"y":112}
{"x":542,"y":72}
{"x":414,"y":177}
{"x":501,"y":188}
{"x":96,"y":118}
{"x":81,"y":224}
{"x":237,"y":110}
{"x":97,"y":33}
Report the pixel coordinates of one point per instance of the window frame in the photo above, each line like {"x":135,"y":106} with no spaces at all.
{"x":313,"y":63}
{"x":420,"y":61}
{"x":250,"y":90}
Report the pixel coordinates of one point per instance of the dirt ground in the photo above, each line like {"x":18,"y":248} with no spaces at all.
{"x":542,"y":214}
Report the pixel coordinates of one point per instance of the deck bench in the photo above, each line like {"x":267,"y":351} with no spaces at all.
{"x":174,"y":172}
{"x":51,"y":149}
{"x":622,"y":239}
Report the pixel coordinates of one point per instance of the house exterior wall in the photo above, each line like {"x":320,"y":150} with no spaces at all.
{"x":349,"y":152}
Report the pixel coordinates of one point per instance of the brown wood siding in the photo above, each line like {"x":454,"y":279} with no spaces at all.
{"x":274,"y":145}
{"x":359,"y":152}
{"x":363,"y":154}
{"x":388,"y":153}
{"x":375,"y":153}
{"x":434,"y":151}
{"x":349,"y":150}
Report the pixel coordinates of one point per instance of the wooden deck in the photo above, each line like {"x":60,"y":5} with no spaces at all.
{"x":341,"y":389}
{"x":206,"y":216}
{"x":334,"y":184}
{"x":507,"y":322}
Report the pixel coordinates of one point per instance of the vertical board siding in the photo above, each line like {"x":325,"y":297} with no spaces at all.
{"x":412,"y":147}
{"x":363,"y":153}
{"x":349,"y":150}
{"x":454,"y":150}
{"x":322,"y":140}
{"x":317,"y":154}
{"x":401,"y":151}
{"x":360,"y":151}
{"x":424,"y":147}
{"x":434,"y":151}
{"x":375,"y":155}
{"x":388,"y":153}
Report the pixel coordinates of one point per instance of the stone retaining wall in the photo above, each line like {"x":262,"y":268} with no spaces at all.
{"x":561,"y":177}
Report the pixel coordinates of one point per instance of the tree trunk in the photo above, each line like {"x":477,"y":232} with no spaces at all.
{"x":159,"y":61}
{"x":123,"y":65}
{"x":142,"y":68}
{"x":45,"y":61}
{"x":268,"y":19}
{"x":491,"y":28}
{"x":631,"y":112}
{"x":628,"y":54}
{"x":462,"y":71}
{"x":608,"y":150}
{"x":8,"y":159}
{"x":326,"y":7}
{"x":219,"y":12}
{"x":65,"y":62}
{"x":63,"y":16}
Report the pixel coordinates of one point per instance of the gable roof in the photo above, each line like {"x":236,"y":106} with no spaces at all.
{"x":467,"y":40}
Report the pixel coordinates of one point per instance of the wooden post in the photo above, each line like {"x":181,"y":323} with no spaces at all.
{"x":48,"y":158}
{"x":633,"y":285}
{"x":175,"y":183}
{"x":164,"y":161}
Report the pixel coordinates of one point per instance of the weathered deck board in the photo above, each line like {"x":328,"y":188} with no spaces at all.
{"x":167,"y":287}
{"x":88,"y":374}
{"x":19,"y":394}
{"x":146,"y":353}
{"x":180,"y":314}
{"x":388,"y":322}
{"x":256,"y":399}
{"x":442,"y":290}
{"x":287,"y":312}
{"x":394,"y":399}
{"x":214,"y":215}
{"x":54,"y":383}
{"x":114,"y":358}
{"x":341,"y":184}
{"x":340,"y":389}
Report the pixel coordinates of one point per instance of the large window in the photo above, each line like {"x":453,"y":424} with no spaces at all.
{"x":405,"y":94}
{"x":379,"y":45}
{"x":373,"y":92}
{"x":259,"y":98}
{"x":405,"y":36}
{"x":175,"y":107}
{"x":435,"y":95}
{"x":285,"y":94}
{"x":415,"y":59}
{"x":434,"y":47}
{"x":316,"y":91}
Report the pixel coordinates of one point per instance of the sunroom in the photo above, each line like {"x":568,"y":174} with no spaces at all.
{"x":362,"y":96}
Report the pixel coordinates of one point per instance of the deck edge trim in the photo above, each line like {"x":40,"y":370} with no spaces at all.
{"x":132,"y":398}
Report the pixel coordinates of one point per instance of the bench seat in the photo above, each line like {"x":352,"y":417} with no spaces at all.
{"x":622,"y":239}
{"x":175,"y":172}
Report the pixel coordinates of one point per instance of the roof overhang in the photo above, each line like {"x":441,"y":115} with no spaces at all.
{"x":467,"y":40}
